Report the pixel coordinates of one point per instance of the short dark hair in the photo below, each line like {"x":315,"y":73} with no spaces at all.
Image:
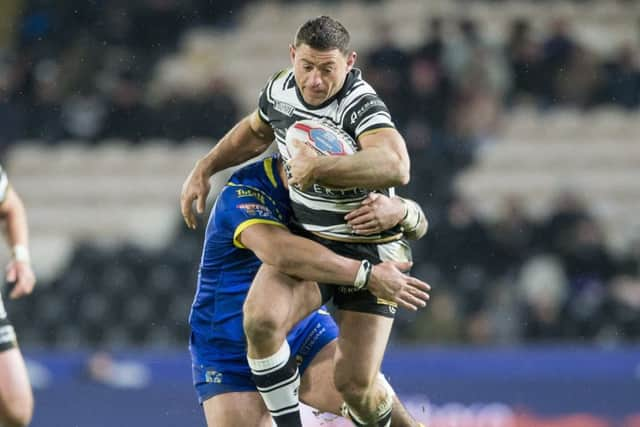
{"x":323,"y":33}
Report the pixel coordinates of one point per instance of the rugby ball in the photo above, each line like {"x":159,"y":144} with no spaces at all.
{"x":324,"y":137}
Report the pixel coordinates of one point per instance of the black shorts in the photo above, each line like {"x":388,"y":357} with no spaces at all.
{"x":7,"y":333}
{"x":347,"y":297}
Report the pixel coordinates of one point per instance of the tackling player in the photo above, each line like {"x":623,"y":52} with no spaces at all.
{"x":16,"y":397}
{"x":248,"y":221}
{"x":322,"y":84}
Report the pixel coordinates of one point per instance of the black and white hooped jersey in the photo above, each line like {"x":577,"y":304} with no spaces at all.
{"x":356,"y":109}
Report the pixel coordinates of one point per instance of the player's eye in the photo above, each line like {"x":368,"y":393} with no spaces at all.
{"x":307,"y":67}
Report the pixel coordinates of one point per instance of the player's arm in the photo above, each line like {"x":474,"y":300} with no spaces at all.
{"x":18,"y":270}
{"x":383,"y":162}
{"x":379,"y":212}
{"x":247,"y":139}
{"x":302,"y":258}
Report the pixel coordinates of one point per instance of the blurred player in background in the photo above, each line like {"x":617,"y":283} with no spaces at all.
{"x":322,"y":84}
{"x":247,"y":225}
{"x":16,"y":397}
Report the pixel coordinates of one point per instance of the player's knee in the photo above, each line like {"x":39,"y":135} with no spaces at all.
{"x":260,"y":326}
{"x":17,"y":413}
{"x":354,"y":388}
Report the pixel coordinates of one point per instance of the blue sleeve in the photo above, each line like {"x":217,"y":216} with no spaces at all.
{"x":239,"y":207}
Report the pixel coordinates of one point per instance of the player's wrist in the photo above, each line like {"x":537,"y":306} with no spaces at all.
{"x":412,"y":216}
{"x":403,"y":211}
{"x":205,"y":168}
{"x":363,"y":276}
{"x":21,"y":253}
{"x":321,"y":168}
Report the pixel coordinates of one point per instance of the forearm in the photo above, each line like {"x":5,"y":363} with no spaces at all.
{"x":237,"y":146}
{"x":308,"y":260}
{"x":15,"y":219}
{"x":372,"y":168}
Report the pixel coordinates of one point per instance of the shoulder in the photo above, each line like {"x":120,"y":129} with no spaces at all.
{"x":362,"y":108}
{"x":356,"y":86}
{"x":280,"y":81}
{"x":358,"y":94}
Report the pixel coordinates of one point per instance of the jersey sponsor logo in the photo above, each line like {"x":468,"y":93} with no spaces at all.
{"x":212,"y":376}
{"x":243,"y":192}
{"x":366,"y":107}
{"x":342,"y":193}
{"x":392,"y":305}
{"x":349,"y":290}
{"x":309,"y":342}
{"x":255,"y":209}
{"x":284,"y":108}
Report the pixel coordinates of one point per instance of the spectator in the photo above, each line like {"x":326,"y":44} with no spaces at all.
{"x":557,"y":49}
{"x":12,"y":113}
{"x":512,"y":237}
{"x":127,"y":117}
{"x":83,"y":115}
{"x":589,"y":268}
{"x":434,"y":45}
{"x":524,"y":56}
{"x":544,"y":292}
{"x":44,"y":115}
{"x":214,"y":111}
{"x":431,"y":96}
{"x":386,"y":70}
{"x":621,"y":82}
{"x":576,"y":85}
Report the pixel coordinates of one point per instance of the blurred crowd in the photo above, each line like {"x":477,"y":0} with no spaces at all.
{"x":516,"y":279}
{"x":80,"y":70}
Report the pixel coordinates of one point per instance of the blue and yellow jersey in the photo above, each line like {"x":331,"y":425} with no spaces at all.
{"x":255,"y":194}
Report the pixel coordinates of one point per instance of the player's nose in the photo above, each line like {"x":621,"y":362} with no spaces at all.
{"x":315,"y":79}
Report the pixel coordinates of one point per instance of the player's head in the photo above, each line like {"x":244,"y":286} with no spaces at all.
{"x":321,"y":58}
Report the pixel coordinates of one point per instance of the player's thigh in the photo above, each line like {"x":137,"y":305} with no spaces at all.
{"x":15,"y":390}
{"x":317,"y":388}
{"x":239,"y":409}
{"x":361,"y":345}
{"x":306,"y":299}
{"x":280,"y":298}
{"x":269,"y":298}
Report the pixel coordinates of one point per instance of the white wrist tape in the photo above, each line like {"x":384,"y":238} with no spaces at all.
{"x":21,"y":253}
{"x":412,"y":216}
{"x":363,"y":275}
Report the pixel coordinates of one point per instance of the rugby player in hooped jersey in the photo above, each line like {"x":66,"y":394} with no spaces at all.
{"x":323,"y":84}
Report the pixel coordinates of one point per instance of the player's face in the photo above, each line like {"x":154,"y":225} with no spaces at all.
{"x":320,"y":74}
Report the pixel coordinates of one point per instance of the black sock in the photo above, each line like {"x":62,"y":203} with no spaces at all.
{"x":278,"y":380}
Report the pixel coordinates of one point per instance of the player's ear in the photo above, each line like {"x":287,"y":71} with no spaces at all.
{"x":292,"y":53}
{"x":351,"y":60}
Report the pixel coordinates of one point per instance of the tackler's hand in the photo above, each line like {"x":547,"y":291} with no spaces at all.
{"x":388,"y":282}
